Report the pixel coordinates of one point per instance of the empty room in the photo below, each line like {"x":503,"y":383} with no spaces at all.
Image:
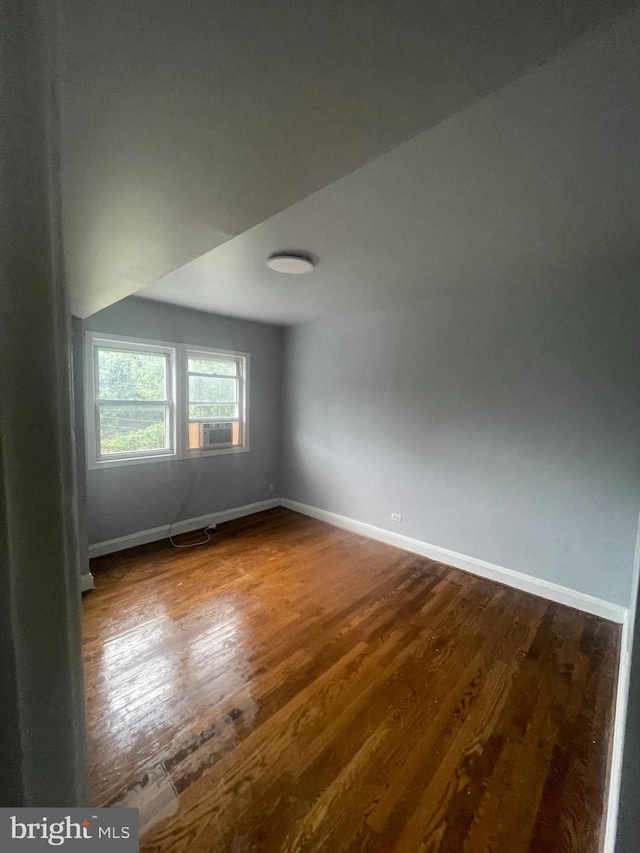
{"x":340,"y":500}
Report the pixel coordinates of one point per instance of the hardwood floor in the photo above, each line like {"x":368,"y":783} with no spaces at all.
{"x":294,"y":687}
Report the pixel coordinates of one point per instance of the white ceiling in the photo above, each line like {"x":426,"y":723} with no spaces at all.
{"x":534,"y":180}
{"x":186,"y":123}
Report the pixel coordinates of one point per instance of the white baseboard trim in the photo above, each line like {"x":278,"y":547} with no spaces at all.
{"x":518,"y":580}
{"x":617,"y":747}
{"x":622,"y":701}
{"x":86,"y":582}
{"x":154,"y":534}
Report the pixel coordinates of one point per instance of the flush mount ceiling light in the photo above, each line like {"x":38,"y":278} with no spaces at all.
{"x":292,"y":263}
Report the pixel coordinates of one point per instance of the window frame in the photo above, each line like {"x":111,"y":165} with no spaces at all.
{"x":178,"y":403}
{"x":242,"y":418}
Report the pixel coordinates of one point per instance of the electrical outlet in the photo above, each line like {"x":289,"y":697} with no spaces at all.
{"x":395,"y":517}
{"x":272,"y":487}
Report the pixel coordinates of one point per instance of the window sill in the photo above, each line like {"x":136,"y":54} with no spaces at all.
{"x":197,"y":454}
{"x":164,"y":457}
{"x":134,"y":460}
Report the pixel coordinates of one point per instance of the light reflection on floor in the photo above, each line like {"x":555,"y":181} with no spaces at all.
{"x":153,"y":682}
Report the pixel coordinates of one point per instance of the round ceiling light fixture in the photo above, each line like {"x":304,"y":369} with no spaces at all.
{"x":291,"y":263}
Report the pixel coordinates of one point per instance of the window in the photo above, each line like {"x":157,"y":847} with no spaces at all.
{"x":148,"y":401}
{"x":134,"y":400}
{"x":216,"y":400}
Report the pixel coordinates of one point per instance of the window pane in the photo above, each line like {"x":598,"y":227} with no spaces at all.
{"x":210,"y":365}
{"x":131,"y":375}
{"x":220,"y":410}
{"x":125,"y":428}
{"x":203,"y":389}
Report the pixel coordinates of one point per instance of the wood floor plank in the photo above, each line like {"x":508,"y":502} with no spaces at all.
{"x":293,"y":688}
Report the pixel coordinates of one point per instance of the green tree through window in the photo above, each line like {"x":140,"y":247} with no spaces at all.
{"x":131,"y":376}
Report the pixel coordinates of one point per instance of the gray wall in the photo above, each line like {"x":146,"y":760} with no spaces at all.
{"x":501,"y":423}
{"x":42,"y":724}
{"x":131,"y":498}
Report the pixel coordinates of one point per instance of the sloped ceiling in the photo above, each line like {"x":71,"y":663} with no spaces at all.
{"x":534,"y":186}
{"x":184,"y":124}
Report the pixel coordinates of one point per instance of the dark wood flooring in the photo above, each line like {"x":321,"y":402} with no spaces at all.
{"x":294,"y":687}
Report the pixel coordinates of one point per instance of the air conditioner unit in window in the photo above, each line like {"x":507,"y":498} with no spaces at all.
{"x":216,"y":435}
